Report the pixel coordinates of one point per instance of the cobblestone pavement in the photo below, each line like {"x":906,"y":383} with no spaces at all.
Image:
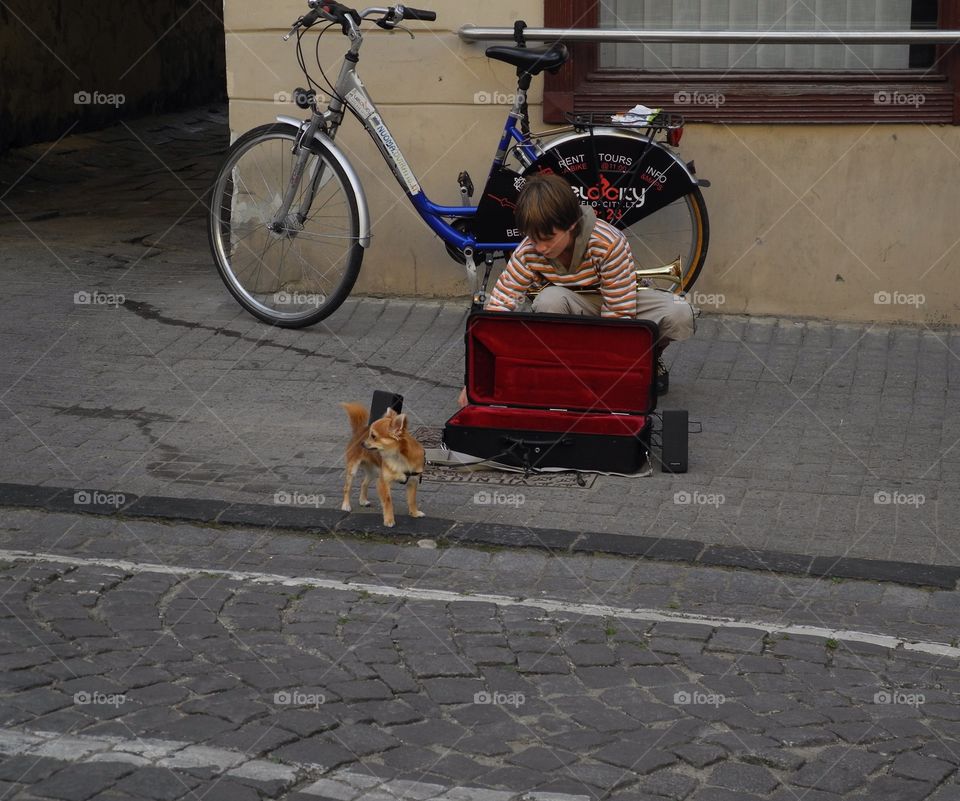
{"x":148,"y":661}
{"x":127,"y":367}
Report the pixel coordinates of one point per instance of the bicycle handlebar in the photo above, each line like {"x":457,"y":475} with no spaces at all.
{"x":348,"y":17}
{"x":416,"y":13}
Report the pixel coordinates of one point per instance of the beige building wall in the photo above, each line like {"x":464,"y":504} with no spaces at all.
{"x":846,"y":222}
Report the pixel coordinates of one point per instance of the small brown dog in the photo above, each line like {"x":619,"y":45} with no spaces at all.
{"x":387,"y":446}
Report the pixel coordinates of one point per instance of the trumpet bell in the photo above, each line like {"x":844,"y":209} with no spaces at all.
{"x":672,"y":272}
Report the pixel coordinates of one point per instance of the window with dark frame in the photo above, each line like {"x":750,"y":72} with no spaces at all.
{"x":760,"y":83}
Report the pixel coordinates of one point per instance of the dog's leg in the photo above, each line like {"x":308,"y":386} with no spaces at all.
{"x":365,"y":484}
{"x":383,"y":490}
{"x":347,"y":484}
{"x":412,"y":498}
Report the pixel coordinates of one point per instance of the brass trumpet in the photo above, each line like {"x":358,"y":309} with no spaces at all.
{"x":671,"y":272}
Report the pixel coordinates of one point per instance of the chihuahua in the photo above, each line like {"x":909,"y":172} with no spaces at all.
{"x":386,"y":446}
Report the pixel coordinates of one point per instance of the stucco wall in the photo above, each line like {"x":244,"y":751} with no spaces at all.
{"x":825,"y":221}
{"x":128,"y":58}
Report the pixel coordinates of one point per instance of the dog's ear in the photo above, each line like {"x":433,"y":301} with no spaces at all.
{"x":399,"y":423}
{"x":390,"y":412}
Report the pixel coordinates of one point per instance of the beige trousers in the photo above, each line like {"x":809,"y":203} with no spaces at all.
{"x":672,"y":313}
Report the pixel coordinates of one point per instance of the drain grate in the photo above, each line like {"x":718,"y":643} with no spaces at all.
{"x":431,"y":437}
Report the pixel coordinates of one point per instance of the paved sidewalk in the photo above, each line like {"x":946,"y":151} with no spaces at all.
{"x":129,"y":369}
{"x":150,"y":661}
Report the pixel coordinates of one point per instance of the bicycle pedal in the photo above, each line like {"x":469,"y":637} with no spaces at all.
{"x":466,"y":187}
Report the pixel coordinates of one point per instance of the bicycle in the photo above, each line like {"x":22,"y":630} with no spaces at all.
{"x":289,"y":222}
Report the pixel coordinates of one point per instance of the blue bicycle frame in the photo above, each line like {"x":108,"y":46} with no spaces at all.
{"x":354,"y":93}
{"x":433,"y":214}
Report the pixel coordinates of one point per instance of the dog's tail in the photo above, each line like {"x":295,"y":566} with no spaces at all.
{"x":358,"y":416}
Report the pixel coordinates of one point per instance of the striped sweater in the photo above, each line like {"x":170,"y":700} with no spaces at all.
{"x":602,"y":261}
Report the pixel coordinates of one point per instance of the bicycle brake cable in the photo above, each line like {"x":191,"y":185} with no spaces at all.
{"x":333,"y":89}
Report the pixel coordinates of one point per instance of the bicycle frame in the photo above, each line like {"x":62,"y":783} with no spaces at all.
{"x":324,"y":125}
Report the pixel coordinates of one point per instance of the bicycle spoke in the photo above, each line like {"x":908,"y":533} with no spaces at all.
{"x":318,"y":257}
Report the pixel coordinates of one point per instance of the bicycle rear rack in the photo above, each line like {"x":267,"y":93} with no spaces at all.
{"x":584,"y":121}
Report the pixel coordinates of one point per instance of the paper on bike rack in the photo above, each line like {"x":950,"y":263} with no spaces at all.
{"x":638,"y":115}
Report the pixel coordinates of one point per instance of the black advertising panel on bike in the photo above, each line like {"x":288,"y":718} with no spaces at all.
{"x":494,"y":221}
{"x":624,"y":178}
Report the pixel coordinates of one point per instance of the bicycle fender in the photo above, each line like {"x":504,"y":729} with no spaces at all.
{"x":362,"y":210}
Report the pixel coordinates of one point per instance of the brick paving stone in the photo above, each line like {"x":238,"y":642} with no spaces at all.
{"x":637,"y":757}
{"x":888,"y":788}
{"x":80,"y":782}
{"x":837,"y":770}
{"x":315,"y":750}
{"x":543,"y":760}
{"x":453,"y":691}
{"x":362,"y":740}
{"x":700,"y":756}
{"x":913,"y":766}
{"x":157,"y":784}
{"x":753,"y":779}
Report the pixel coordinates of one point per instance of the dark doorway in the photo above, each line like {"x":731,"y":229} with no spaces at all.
{"x":71,"y":66}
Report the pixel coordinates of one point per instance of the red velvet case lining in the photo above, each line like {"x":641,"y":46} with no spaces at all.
{"x":549,"y":362}
{"x":619,"y":425}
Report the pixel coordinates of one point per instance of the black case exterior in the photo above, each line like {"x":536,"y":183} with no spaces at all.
{"x":598,"y":420}
{"x":383,"y":400}
{"x":538,"y":449}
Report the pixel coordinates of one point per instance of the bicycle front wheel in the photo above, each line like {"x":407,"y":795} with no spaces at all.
{"x":678,"y":230}
{"x":289,"y":272}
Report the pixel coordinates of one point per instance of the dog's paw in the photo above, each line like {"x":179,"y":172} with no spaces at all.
{"x":346,"y":507}
{"x":389,"y":523}
{"x":364,"y":503}
{"x":418,"y":514}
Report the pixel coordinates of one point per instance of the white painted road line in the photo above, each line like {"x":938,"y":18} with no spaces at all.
{"x":446,"y":596}
{"x":340,"y":784}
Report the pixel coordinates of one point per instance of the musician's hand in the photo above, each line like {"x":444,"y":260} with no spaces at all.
{"x":462,"y":398}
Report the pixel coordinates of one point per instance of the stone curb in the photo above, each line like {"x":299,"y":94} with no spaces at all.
{"x":206,"y":511}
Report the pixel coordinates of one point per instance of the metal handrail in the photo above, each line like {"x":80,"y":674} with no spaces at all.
{"x":473,"y":33}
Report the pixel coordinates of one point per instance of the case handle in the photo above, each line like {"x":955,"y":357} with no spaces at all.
{"x":527,"y":449}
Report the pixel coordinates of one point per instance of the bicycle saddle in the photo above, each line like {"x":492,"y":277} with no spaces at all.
{"x":532,"y":60}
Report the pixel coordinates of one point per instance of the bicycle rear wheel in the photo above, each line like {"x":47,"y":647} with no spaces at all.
{"x":678,"y":230}
{"x":299,"y":270}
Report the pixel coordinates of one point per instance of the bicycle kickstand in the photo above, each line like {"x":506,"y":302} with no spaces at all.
{"x":480,"y":296}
